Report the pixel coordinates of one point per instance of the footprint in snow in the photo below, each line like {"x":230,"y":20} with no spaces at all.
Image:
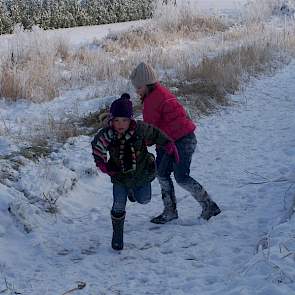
{"x":153,"y":228}
{"x":166,"y":251}
{"x":190,"y":245}
{"x":190,"y":222}
{"x":64,"y":252}
{"x":90,"y":251}
{"x":76,"y":258}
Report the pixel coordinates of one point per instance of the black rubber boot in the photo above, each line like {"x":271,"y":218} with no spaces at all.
{"x":209,"y":207}
{"x":118,"y":229}
{"x":170,"y":211}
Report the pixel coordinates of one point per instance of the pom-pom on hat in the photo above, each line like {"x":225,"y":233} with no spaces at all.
{"x":142,"y":75}
{"x":122,"y":107}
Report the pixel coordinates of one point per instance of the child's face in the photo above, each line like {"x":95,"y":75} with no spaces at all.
{"x":121,"y":124}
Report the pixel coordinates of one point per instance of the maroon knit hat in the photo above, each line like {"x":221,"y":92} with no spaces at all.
{"x":122,"y":107}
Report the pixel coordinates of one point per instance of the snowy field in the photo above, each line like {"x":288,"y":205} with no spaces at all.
{"x":245,"y":159}
{"x":248,"y":249}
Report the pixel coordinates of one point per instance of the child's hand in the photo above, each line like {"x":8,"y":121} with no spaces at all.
{"x":171,"y":150}
{"x":104,"y":169}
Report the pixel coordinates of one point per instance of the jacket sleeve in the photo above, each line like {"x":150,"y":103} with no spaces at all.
{"x":100,"y":145}
{"x":153,"y":135}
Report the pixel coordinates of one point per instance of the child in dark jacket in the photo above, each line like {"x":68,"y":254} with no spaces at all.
{"x":130,"y":165}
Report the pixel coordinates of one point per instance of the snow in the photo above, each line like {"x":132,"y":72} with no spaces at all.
{"x":79,"y":36}
{"x":24,"y":116}
{"x":221,"y":5}
{"x":87,"y":34}
{"x":245,"y":159}
{"x":6,"y":146}
{"x":187,"y":256}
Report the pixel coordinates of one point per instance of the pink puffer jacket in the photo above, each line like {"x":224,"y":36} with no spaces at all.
{"x":162,"y":110}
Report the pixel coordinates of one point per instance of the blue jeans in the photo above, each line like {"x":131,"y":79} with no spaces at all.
{"x":142,"y":195}
{"x":166,"y":165}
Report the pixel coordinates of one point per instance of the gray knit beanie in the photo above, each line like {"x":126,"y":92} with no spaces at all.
{"x":142,"y":75}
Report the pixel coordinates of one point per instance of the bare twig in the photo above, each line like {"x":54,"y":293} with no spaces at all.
{"x":291,"y":253}
{"x":285,"y":196}
{"x":51,"y":202}
{"x":283,"y":245}
{"x":266,"y":180}
{"x":9,"y":288}
{"x":81,"y":285}
{"x":255,"y":174}
{"x":6,"y":128}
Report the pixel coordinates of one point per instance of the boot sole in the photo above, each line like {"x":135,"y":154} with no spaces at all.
{"x":214,"y":214}
{"x":117,"y":248}
{"x":162,"y":221}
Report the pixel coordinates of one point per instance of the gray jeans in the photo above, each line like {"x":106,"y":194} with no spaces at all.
{"x":166,"y":165}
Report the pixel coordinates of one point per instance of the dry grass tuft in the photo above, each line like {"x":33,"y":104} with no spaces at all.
{"x":95,"y":120}
{"x":29,"y":69}
{"x":259,"y":10}
{"x":10,"y":83}
{"x":190,"y":25}
{"x":169,"y":24}
{"x":33,"y":80}
{"x":133,"y":39}
{"x":208,"y":84}
{"x":185,"y":19}
{"x":62,"y":129}
{"x":62,"y":49}
{"x":160,"y":34}
{"x":85,"y":67}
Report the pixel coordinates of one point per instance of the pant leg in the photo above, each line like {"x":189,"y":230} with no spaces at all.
{"x":186,"y":147}
{"x":143,"y":194}
{"x":120,"y":193}
{"x":164,"y":169}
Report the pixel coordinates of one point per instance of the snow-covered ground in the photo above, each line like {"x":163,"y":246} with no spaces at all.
{"x":245,"y":159}
{"x":78,"y":36}
{"x":245,"y":250}
{"x":241,"y":145}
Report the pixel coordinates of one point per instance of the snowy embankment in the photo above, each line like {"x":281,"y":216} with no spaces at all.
{"x":245,"y":158}
{"x":248,"y":249}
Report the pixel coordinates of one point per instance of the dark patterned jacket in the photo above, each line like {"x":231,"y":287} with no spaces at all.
{"x":134,"y":149}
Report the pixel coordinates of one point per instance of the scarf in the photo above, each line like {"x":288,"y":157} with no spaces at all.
{"x":127,"y":156}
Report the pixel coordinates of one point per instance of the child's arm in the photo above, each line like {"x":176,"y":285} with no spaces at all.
{"x":153,"y":136}
{"x":99,"y":147}
{"x":100,"y":144}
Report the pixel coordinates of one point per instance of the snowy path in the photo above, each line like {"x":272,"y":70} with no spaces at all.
{"x":185,"y":256}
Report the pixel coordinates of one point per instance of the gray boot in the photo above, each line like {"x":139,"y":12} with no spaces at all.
{"x":170,"y":211}
{"x":209,"y":207}
{"x":118,"y":228}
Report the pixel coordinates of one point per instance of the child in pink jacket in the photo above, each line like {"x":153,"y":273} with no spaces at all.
{"x":162,"y":110}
